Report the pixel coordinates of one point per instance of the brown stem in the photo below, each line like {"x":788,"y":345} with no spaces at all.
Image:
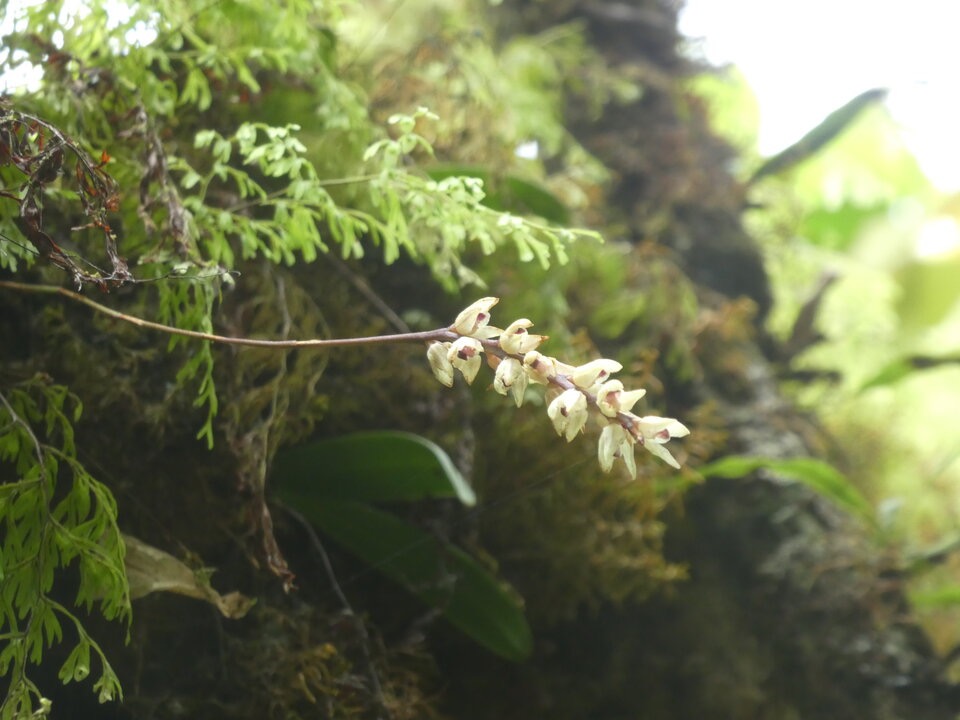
{"x":440,"y":334}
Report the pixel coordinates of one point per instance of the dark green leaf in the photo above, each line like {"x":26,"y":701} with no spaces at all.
{"x":439,"y":574}
{"x":534,"y":199}
{"x":372,"y":466}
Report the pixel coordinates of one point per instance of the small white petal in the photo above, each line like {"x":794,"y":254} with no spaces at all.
{"x":610,"y":438}
{"x":556,"y":416}
{"x":626,"y":453}
{"x":661,"y":452}
{"x":616,"y":442}
{"x":518,"y":388}
{"x":678,"y":429}
{"x":628,"y":398}
{"x":657,"y":431}
{"x":486,"y":332}
{"x":521,"y":324}
{"x":661,"y":429}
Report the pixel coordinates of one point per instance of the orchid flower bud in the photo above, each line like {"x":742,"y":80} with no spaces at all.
{"x":473,"y":321}
{"x":510,"y":377}
{"x":465,"y":355}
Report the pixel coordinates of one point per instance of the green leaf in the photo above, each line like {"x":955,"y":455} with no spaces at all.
{"x":942,"y":597}
{"x":372,"y":466}
{"x":890,"y":374}
{"x":904,"y":367}
{"x":834,"y":124}
{"x":836,"y":228}
{"x":441,"y":575}
{"x":535,"y":199}
{"x":929,"y":291}
{"x":816,"y":474}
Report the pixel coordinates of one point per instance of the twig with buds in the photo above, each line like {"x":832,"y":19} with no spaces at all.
{"x":512,"y":353}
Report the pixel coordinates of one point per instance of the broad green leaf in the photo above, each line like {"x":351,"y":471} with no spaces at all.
{"x":439,"y":574}
{"x":816,"y":474}
{"x":372,"y":466}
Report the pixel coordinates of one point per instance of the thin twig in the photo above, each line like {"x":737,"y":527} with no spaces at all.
{"x":363,"y":287}
{"x":440,"y":334}
{"x":627,"y":420}
{"x":361,"y":628}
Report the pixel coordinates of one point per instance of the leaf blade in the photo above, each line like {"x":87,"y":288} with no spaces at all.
{"x":377,"y":466}
{"x":815,"y":474}
{"x":443,"y":576}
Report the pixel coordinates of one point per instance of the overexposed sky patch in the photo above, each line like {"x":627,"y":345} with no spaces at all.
{"x":805,"y":58}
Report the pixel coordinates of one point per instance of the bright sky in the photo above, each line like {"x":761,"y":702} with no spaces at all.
{"x":806,"y":58}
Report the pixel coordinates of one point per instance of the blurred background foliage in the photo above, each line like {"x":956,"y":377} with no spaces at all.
{"x":858,"y":225}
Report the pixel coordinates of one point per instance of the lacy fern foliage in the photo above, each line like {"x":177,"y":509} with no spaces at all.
{"x":54,"y":515}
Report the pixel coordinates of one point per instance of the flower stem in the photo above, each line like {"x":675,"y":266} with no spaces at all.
{"x":440,"y":334}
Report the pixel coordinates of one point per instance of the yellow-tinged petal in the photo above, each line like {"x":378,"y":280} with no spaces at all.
{"x":628,"y":398}
{"x":593,"y":372}
{"x":440,"y":363}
